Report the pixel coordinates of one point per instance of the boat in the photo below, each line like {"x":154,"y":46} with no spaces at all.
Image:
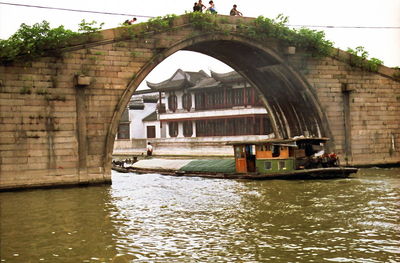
{"x":295,"y":158}
{"x":298,"y":157}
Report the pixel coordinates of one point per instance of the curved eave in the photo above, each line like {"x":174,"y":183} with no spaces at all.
{"x":169,"y":86}
{"x":227,"y":77}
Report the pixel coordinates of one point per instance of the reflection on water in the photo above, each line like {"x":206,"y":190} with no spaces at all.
{"x":154,"y":218}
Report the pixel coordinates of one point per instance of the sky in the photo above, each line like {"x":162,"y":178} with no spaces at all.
{"x":382,"y":43}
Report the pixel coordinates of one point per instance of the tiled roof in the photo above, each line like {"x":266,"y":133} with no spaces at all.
{"x":179,"y":80}
{"x":151,"y":117}
{"x":227,"y":77}
{"x":206,"y":83}
{"x":136,"y":103}
{"x":196,"y":80}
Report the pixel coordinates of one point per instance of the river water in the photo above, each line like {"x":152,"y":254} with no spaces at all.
{"x":155,"y":218}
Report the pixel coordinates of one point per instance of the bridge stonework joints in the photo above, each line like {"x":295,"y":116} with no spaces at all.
{"x":56,"y":131}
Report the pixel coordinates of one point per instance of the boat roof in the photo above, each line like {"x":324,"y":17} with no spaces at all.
{"x":291,"y":142}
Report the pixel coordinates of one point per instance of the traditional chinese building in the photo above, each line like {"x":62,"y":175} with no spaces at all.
{"x":199,"y":105}
{"x":198,"y":112}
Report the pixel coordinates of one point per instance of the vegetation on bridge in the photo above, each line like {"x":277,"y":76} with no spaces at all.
{"x":39,"y":40}
{"x":360,"y":59}
{"x":263,"y":28}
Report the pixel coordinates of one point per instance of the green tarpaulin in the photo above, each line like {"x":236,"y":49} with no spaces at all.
{"x":215,"y":166}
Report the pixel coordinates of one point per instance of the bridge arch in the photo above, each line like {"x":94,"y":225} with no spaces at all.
{"x":59,"y":114}
{"x":292,"y":105}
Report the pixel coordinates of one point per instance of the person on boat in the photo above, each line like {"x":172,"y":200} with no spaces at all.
{"x":149,"y":149}
{"x":235,"y":12}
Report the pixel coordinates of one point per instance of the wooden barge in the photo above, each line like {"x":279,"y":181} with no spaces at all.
{"x":296,"y":158}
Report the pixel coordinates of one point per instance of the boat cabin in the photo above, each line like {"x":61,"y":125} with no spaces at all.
{"x":278,"y":155}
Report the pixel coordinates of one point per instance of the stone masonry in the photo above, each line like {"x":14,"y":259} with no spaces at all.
{"x":59,"y":115}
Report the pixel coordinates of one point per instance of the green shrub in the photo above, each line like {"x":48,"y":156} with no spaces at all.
{"x":203,"y":21}
{"x":159,"y":23}
{"x":34,"y":41}
{"x":38,"y":40}
{"x":89,"y":27}
{"x":360,"y":59}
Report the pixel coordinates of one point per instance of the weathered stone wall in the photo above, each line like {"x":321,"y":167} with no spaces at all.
{"x":53,"y":132}
{"x":57,"y":129}
{"x":363,"y":108}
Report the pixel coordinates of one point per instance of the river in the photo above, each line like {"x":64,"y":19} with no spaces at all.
{"x":155,"y":218}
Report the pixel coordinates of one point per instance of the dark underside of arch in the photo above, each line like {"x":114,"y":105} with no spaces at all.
{"x":289,"y":101}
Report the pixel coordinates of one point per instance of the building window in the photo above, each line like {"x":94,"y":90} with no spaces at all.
{"x":249,"y":96}
{"x":200,"y":128}
{"x":282,"y":165}
{"x":223,"y":97}
{"x":240,"y":151}
{"x":173,"y":129}
{"x":199,"y":98}
{"x":231,"y":126}
{"x":187,"y":129}
{"x":276,"y":151}
{"x":151,"y":131}
{"x":238,"y":98}
{"x":266,"y":147}
{"x":123,"y":131}
{"x":267,"y":165}
{"x":187,"y":101}
{"x":172,"y":102}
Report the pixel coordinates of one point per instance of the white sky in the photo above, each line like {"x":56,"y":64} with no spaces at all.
{"x":380,"y":43}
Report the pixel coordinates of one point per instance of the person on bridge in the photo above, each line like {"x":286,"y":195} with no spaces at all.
{"x":235,"y":12}
{"x":212,"y":7}
{"x":149,"y":149}
{"x":130,"y":22}
{"x":198,"y":7}
{"x":195,"y":8}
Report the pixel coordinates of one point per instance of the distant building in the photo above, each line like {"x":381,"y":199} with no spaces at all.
{"x":195,"y":107}
{"x":198,"y":105}
{"x":140,"y":113}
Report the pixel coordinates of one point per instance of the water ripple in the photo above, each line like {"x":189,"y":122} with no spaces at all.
{"x":154,"y":218}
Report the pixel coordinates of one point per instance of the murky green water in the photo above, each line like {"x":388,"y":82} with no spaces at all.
{"x":154,"y":218}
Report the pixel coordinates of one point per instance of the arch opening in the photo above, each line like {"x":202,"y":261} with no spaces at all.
{"x":291,"y":104}
{"x":289,"y":100}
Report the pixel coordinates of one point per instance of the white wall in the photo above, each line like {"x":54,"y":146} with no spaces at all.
{"x":153,"y":123}
{"x":214,"y":113}
{"x":137,"y":127}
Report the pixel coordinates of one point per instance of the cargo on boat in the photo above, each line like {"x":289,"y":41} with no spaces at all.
{"x":296,"y":158}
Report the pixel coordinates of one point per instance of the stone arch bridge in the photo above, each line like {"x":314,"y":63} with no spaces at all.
{"x":59,"y":115}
